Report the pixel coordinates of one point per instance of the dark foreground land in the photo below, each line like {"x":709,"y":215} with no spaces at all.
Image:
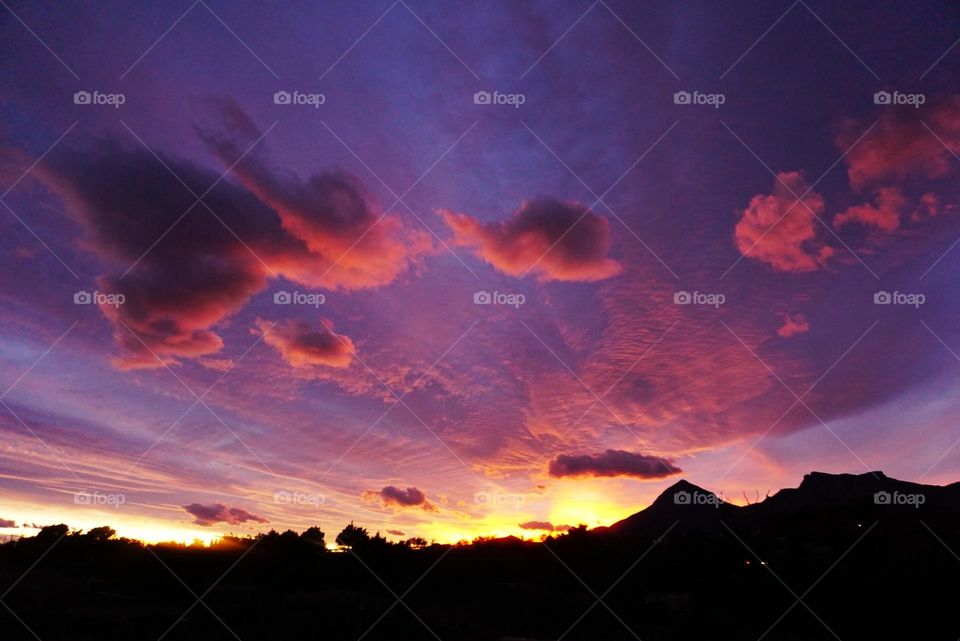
{"x":832,"y":559}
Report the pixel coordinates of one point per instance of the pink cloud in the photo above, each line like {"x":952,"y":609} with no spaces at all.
{"x":929,"y":207}
{"x":900,"y":146}
{"x":553,"y":239}
{"x":884,"y":214}
{"x":778,"y":230}
{"x":303,"y":346}
{"x":793,"y":324}
{"x":347,"y":243}
{"x":184,"y":267}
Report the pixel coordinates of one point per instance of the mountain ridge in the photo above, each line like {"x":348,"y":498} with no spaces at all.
{"x":689,"y":507}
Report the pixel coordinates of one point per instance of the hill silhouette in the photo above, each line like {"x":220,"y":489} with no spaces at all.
{"x":690,"y":507}
{"x":840,"y":556}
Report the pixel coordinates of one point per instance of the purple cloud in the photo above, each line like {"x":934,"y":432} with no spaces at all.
{"x":545,"y":526}
{"x":218,"y":513}
{"x":553,"y":239}
{"x":394,"y":496}
{"x":302,"y":346}
{"x":613,"y":463}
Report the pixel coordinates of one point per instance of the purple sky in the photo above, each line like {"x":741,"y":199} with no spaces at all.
{"x":585,"y":205}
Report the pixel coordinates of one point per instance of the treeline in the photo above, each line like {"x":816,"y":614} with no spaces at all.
{"x":352,"y":537}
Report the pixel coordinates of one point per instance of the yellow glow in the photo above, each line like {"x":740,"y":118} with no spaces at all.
{"x":126,"y":525}
{"x":594,"y":503}
{"x":164,"y":533}
{"x":576,"y":504}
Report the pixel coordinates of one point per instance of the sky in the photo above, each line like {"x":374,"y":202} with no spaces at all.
{"x":491,"y":269}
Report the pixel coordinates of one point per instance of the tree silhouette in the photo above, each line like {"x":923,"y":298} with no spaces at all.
{"x":102,"y":533}
{"x":416,"y":542}
{"x":314,"y":535}
{"x":51,"y":533}
{"x":353,"y":537}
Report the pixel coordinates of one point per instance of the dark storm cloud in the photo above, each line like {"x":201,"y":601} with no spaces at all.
{"x":186,"y":274}
{"x":183,"y":267}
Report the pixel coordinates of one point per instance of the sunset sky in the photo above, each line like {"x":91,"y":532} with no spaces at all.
{"x":445,"y":313}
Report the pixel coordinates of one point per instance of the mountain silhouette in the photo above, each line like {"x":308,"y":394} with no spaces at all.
{"x":689,"y":508}
{"x":820,"y":490}
{"x":683,"y":506}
